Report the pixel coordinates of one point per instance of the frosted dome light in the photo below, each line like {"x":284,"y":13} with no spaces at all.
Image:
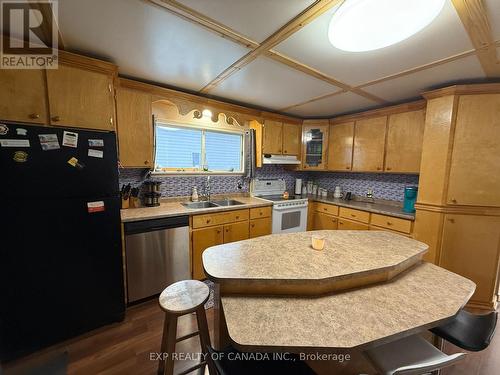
{"x":367,"y":25}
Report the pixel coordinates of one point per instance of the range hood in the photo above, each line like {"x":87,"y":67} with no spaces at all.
{"x":280,"y":159}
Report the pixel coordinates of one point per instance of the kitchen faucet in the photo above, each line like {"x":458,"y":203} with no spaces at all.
{"x":207,"y":189}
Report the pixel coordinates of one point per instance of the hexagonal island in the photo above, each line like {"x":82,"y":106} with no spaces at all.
{"x":286,"y":264}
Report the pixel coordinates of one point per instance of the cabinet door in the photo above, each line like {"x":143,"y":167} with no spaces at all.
{"x":315,"y":146}
{"x":369,"y":144}
{"x":405,"y":133}
{"x":345,"y":224}
{"x":340,"y":145}
{"x":322,"y":221}
{"x":135,"y":128}
{"x":474,"y":177}
{"x":291,"y":139}
{"x":260,"y":227}
{"x":80,"y":98}
{"x":203,"y":239}
{"x":470,"y":247}
{"x":22,"y":95}
{"x":236,"y":232}
{"x":272,"y":137}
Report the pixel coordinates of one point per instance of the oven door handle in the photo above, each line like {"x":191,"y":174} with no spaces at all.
{"x":290,"y":208}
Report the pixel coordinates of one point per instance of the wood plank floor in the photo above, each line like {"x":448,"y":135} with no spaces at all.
{"x":126,"y":347}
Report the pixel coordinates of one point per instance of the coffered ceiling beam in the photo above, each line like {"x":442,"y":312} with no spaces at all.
{"x":200,"y":19}
{"x":475,"y":20}
{"x":298,"y":22}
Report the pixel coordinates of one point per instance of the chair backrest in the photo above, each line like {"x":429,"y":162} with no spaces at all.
{"x":428,"y":367}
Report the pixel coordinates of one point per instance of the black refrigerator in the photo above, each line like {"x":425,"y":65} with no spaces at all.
{"x":61,"y":268}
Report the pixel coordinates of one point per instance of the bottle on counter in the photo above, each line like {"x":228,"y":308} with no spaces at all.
{"x":194,"y":195}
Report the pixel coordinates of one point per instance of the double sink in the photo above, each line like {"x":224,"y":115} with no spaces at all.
{"x":208,"y":204}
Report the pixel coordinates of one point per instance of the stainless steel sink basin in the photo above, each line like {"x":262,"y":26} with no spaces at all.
{"x":199,"y":204}
{"x":227,"y":202}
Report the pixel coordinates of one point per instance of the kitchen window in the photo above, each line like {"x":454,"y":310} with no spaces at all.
{"x":184,"y":149}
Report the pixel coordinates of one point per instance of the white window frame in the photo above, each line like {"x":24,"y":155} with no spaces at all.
{"x":192,"y":171}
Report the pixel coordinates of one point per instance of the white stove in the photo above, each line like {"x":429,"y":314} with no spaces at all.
{"x":289,"y":214}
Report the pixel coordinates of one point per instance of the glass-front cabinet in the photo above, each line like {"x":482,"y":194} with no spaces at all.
{"x":314,"y":150}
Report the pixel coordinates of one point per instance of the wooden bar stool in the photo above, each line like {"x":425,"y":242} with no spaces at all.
{"x":182,"y":298}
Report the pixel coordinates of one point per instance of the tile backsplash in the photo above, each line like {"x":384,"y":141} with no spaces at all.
{"x":384,"y":186}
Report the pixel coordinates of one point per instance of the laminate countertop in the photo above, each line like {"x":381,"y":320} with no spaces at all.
{"x":378,"y":207}
{"x":420,"y":298}
{"x":287,"y":264}
{"x":175,"y":208}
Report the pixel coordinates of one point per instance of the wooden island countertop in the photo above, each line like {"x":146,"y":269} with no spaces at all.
{"x":287,"y":264}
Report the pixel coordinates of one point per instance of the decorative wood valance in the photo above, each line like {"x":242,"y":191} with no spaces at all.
{"x":194,"y":105}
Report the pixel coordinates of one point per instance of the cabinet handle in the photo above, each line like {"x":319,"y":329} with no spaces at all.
{"x":260,"y":213}
{"x":279,"y":150}
{"x":237,"y":217}
{"x":146,"y":162}
{"x":352,"y":215}
{"x":453,"y":200}
{"x":341,"y":222}
{"x":218,"y":231}
{"x":227,"y":230}
{"x":451,"y":221}
{"x":285,"y":151}
{"x":56,"y":118}
{"x":347,"y":167}
{"x":34,"y":116}
{"x":325,"y":208}
{"x":252,"y":225}
{"x":378,"y":168}
{"x":389,"y":223}
{"x":389,"y":168}
{"x":208,"y":221}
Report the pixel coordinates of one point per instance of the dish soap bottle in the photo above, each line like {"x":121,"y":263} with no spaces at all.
{"x":194,"y":195}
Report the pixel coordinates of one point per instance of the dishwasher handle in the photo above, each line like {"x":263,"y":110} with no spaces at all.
{"x":152,"y":225}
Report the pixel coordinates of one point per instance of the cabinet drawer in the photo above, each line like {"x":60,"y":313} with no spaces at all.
{"x":345,"y":224}
{"x":372,"y":227}
{"x":392,"y":223}
{"x":259,"y":212}
{"x":207,"y":220}
{"x":329,"y":209}
{"x":357,"y":215}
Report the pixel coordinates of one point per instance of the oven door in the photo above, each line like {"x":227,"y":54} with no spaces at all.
{"x":289,"y":219}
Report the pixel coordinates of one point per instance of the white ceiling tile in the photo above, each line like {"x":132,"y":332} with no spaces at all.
{"x":146,"y":41}
{"x":493,"y":10}
{"x":265,"y":82}
{"x":412,"y":85}
{"x":333,"y":105}
{"x":255,"y":19}
{"x":443,"y":38}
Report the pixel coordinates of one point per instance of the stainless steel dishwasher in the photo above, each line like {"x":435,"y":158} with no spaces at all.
{"x":157,"y":254}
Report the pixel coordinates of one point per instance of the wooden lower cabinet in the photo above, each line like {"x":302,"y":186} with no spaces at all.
{"x":324,"y":221}
{"x":236,"y":232}
{"x":345,"y":224}
{"x":260,"y":227}
{"x":202,"y":239}
{"x":471,"y":248}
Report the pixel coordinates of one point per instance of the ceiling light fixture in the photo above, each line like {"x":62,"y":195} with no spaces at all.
{"x":367,"y":25}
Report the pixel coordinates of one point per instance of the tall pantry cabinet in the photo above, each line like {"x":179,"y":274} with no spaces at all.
{"x":458,"y":205}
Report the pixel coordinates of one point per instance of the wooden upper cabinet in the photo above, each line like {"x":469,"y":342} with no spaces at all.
{"x":314,"y":148}
{"x":135,"y":128}
{"x":474,"y":177}
{"x":369,"y":144}
{"x":291,"y":139}
{"x":340,"y":145}
{"x":272,"y":141}
{"x":470,"y":247}
{"x":405,"y":133}
{"x":80,"y":98}
{"x":22,"y":95}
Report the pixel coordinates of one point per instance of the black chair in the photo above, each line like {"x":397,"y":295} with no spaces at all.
{"x":233,"y":362}
{"x":468,"y":331}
